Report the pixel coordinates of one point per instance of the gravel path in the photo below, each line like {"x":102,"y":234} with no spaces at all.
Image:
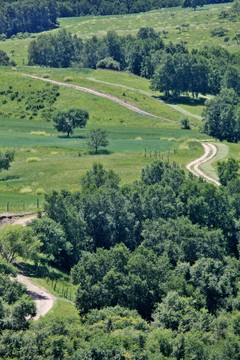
{"x":97,"y":93}
{"x":43,"y":299}
{"x":23,"y":221}
{"x":193,"y":167}
{"x":175,"y":107}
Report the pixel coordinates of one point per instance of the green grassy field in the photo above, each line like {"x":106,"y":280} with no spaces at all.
{"x":46,"y":160}
{"x":198,"y":34}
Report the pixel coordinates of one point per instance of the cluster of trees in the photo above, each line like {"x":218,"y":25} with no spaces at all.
{"x":156,"y":263}
{"x":116,"y":333}
{"x":5,"y":60}
{"x":16,"y":307}
{"x":132,"y":245}
{"x":27,"y":16}
{"x":171,"y":68}
{"x":222,"y":116}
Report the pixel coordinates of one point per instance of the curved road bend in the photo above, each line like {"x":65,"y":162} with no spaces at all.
{"x":193,"y":167}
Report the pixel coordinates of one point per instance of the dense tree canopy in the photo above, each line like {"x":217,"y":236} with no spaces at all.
{"x":164,"y":249}
{"x":27,"y":16}
{"x":221,"y":116}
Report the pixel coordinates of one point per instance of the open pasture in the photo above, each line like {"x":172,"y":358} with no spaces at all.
{"x":46,"y":160}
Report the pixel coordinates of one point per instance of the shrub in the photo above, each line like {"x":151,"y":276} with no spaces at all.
{"x":108,"y":63}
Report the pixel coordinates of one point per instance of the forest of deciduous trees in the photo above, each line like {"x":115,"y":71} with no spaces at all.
{"x":157,"y":268}
{"x":27,"y":16}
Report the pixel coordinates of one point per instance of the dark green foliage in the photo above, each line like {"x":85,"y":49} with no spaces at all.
{"x":6,"y":157}
{"x":193,"y":3}
{"x":219,"y":31}
{"x":53,"y":240}
{"x":27,"y":16}
{"x":221,"y":118}
{"x":16,"y":308}
{"x":67,"y":121}
{"x":108,"y":63}
{"x":5,"y":60}
{"x":180,"y":240}
{"x":117,"y":277}
{"x":55,"y":50}
{"x":98,"y":177}
{"x":185,"y":124}
{"x":227,"y":170}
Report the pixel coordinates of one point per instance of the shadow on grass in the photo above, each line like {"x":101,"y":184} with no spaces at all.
{"x":183,"y":100}
{"x":10,"y":177}
{"x":100,"y":152}
{"x":41,"y":272}
{"x":71,"y":137}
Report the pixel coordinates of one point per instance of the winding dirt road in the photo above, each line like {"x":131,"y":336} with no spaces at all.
{"x":193,"y":167}
{"x":43,"y":299}
{"x":97,"y":93}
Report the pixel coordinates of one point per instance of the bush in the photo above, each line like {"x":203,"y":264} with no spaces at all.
{"x":108,"y":63}
{"x":185,"y":124}
{"x":219,"y":31}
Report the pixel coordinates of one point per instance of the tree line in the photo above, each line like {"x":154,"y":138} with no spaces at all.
{"x":27,"y":16}
{"x":172,"y":69}
{"x":35,"y":15}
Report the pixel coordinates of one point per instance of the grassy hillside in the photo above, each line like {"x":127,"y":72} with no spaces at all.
{"x":170,"y":20}
{"x":46,"y":160}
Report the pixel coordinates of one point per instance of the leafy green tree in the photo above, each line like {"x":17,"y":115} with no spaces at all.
{"x":97,"y":138}
{"x":180,"y":240}
{"x":220,"y":116}
{"x":227,"y":170}
{"x":6,"y":157}
{"x":98,"y":177}
{"x":16,"y":240}
{"x":53,"y":240}
{"x":185,"y":124}
{"x":108,"y":63}
{"x":67,"y":121}
{"x":216,"y":280}
{"x":179,"y":313}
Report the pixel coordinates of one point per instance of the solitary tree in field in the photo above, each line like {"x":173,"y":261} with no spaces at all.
{"x":97,"y":138}
{"x":67,"y":121}
{"x":6,"y":157}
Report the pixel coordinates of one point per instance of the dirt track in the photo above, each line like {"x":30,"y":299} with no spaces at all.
{"x":97,"y":93}
{"x":43,"y":299}
{"x":193,"y":167}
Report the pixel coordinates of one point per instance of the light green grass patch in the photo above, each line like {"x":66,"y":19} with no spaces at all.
{"x":26,"y":190}
{"x":32,"y":159}
{"x":209,"y":168}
